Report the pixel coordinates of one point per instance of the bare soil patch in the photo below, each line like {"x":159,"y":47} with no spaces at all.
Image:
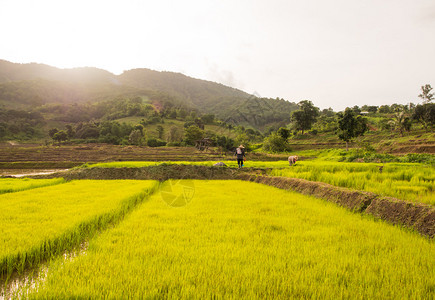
{"x":160,"y":172}
{"x":92,"y":153}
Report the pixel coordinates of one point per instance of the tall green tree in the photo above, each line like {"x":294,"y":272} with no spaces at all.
{"x":70,"y":131}
{"x":350,"y":126}
{"x":175,"y":134}
{"x":224,"y":143}
{"x":243,"y":139}
{"x":160,"y":130}
{"x":208,"y":118}
{"x":192,"y":134}
{"x":52,"y":132}
{"x":304,"y":118}
{"x":425,"y":115}
{"x":400,"y":122}
{"x":136,"y":137}
{"x":275,"y":143}
{"x":384,"y":109}
{"x":426,"y":94}
{"x":284,"y":133}
{"x":60,"y":136}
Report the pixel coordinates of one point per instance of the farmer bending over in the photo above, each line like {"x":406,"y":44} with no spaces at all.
{"x":292,"y":160}
{"x":240,"y":153}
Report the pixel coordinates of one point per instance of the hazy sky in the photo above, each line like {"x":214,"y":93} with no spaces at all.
{"x":336,"y":53}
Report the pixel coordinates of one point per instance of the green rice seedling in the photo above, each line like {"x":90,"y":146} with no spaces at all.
{"x":243,"y":240}
{"x":418,"y":179}
{"x":39,"y":223}
{"x":10,"y":185}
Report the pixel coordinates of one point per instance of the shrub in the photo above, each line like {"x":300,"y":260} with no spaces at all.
{"x":419,"y":158}
{"x":192,"y":133}
{"x":153,"y":142}
{"x":367,"y":156}
{"x":109,"y":139}
{"x":275,"y":143}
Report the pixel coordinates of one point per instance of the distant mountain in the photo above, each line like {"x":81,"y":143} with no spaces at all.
{"x":32,"y":85}
{"x":201,"y":93}
{"x":21,"y":72}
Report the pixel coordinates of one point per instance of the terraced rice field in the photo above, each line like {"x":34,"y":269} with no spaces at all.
{"x":405,"y":181}
{"x":98,"y":152}
{"x":235,"y":239}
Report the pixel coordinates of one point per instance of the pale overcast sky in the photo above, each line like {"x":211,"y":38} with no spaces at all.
{"x":336,"y":53}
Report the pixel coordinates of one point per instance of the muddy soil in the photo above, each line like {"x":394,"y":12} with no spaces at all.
{"x":160,"y":172}
{"x":72,"y":155}
{"x":28,"y":172}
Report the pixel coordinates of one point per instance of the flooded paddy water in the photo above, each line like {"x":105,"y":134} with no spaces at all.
{"x":28,"y":172}
{"x":13,"y":288}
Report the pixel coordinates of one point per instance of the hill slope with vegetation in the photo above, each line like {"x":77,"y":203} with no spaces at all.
{"x":145,"y":107}
{"x":32,"y":86}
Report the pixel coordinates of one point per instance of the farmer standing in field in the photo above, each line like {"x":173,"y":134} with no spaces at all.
{"x":240,"y":153}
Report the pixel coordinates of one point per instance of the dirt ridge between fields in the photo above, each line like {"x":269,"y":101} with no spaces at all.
{"x":160,"y":172}
{"x":420,"y":217}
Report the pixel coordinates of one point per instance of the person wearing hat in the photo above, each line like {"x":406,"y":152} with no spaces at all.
{"x":240,"y":153}
{"x":292,"y":160}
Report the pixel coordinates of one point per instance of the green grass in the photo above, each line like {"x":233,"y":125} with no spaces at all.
{"x":245,"y":240}
{"x":10,"y":185}
{"x":39,"y":223}
{"x":411,"y":182}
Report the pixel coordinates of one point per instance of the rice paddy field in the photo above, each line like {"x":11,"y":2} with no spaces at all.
{"x":10,"y":185}
{"x":38,"y":223}
{"x":237,"y":239}
{"x":406,"y":181}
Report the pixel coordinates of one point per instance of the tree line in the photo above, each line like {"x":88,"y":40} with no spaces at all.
{"x":97,"y":122}
{"x":354,"y":121}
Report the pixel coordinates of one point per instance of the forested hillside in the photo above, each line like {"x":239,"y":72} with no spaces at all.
{"x":29,"y":87}
{"x":145,"y":107}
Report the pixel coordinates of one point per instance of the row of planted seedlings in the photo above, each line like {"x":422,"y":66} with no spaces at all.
{"x":236,"y":239}
{"x":11,"y":185}
{"x":40,"y":223}
{"x":406,"y":181}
